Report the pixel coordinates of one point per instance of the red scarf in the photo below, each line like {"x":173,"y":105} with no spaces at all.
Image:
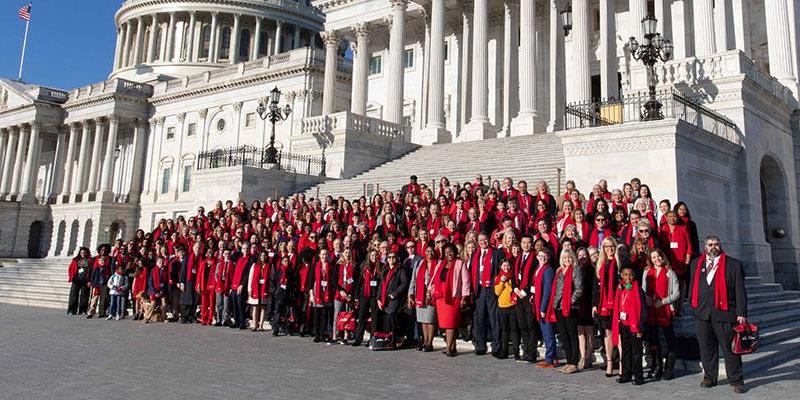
{"x":322,"y":295}
{"x":259,"y":285}
{"x":140,"y":283}
{"x":720,"y":284}
{"x":345,"y":281}
{"x":629,"y":302}
{"x":385,"y":284}
{"x":538,"y":284}
{"x":421,"y":292}
{"x":442,"y":288}
{"x":367,"y":277}
{"x":157,"y":279}
{"x":303,"y":277}
{"x":566,"y":292}
{"x":486,"y":275}
{"x":608,"y":278}
{"x":521,"y":281}
{"x":658,"y":288}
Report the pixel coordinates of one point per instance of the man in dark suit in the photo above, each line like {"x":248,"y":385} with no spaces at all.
{"x":483,"y":266}
{"x":719,"y":301}
{"x":411,"y":187}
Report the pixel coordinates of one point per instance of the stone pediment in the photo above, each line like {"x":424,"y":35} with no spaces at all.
{"x":14,"y":94}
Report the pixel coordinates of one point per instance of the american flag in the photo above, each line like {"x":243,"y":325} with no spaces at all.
{"x":25,"y":12}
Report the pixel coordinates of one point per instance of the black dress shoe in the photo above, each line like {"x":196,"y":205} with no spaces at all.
{"x":738,"y":388}
{"x":638,"y":381}
{"x":707,"y":383}
{"x":317,"y":340}
{"x":623,"y":380}
{"x":356,"y":343}
{"x":480,"y":352}
{"x":427,"y":349}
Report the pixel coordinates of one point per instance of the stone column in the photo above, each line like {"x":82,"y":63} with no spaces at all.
{"x":512,"y":91}
{"x":558,"y":75}
{"x":22,"y":144}
{"x":31,"y":161}
{"x":126,"y":46}
{"x":395,"y":70}
{"x":527,"y":121}
{"x":151,"y":42}
{"x":780,"y":46}
{"x":118,"y":48}
{"x":741,"y":26}
{"x":609,"y":64}
{"x":254,"y":54}
{"x":331,"y":61}
{"x":582,"y":89}
{"x":278,"y":36}
{"x":722,"y":30}
{"x":664,"y":16}
{"x":107,"y":177}
{"x":233,"y":53}
{"x":139,"y":147}
{"x":137,"y":49}
{"x":681,"y":21}
{"x":80,"y":173}
{"x":637,"y":12}
{"x":57,"y":174}
{"x":66,"y":187}
{"x":212,"y":47}
{"x":360,"y":70}
{"x":171,"y":38}
{"x":190,"y":53}
{"x":704,"y":38}
{"x":8,"y":165}
{"x":296,"y":44}
{"x":466,"y":66}
{"x":479,"y":127}
{"x":97,"y":149}
{"x":435,"y":131}
{"x":4,"y":133}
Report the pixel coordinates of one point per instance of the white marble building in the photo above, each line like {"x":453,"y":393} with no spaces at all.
{"x":368,"y":80}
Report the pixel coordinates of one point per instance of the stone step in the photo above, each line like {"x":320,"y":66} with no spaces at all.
{"x":24,"y":301}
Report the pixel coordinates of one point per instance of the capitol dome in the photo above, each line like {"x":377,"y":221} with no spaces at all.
{"x":192,"y":36}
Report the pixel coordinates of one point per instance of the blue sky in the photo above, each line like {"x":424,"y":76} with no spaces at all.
{"x":70,"y":44}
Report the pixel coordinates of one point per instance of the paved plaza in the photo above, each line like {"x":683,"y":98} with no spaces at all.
{"x":47,"y":355}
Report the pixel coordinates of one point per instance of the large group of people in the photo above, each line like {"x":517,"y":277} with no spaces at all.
{"x":490,"y":263}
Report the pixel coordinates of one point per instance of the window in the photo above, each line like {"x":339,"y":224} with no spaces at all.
{"x":406,"y":121}
{"x":250,"y":120}
{"x":187,"y":177}
{"x":205,"y":45}
{"x":165,"y":177}
{"x":262,"y":45}
{"x":171,"y":133}
{"x":408,"y":58}
{"x":221,"y":125}
{"x":244,"y":45}
{"x":446,"y":51}
{"x":191,"y":130}
{"x":375,"y":65}
{"x":225,"y":43}
{"x":157,"y":49}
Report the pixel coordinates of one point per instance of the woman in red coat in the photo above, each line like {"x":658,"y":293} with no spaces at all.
{"x":674,"y":240}
{"x":259,"y":290}
{"x":449,"y":289}
{"x":205,"y":287}
{"x":78,"y":275}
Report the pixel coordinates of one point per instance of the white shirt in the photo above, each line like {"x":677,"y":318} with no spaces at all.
{"x":711,"y":269}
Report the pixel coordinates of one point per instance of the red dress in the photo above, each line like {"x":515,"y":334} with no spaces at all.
{"x":448,"y":308}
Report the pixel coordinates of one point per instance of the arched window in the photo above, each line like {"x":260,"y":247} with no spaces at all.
{"x":157,"y":50}
{"x":186,"y":41}
{"x":225,"y":43}
{"x":146,"y":44}
{"x":262,"y":46}
{"x":244,"y":45}
{"x":205,"y":42}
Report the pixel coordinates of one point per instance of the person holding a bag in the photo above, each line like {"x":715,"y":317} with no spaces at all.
{"x":418,"y":296}
{"x":344,"y":292}
{"x":393,"y":291}
{"x":367,"y":293}
{"x":660,"y":285}
{"x":719,"y":301}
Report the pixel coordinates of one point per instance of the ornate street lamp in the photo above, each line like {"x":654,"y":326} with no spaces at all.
{"x":652,"y":49}
{"x":566,"y":18}
{"x":274,"y":114}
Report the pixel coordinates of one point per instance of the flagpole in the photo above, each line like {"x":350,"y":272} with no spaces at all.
{"x":24,"y":45}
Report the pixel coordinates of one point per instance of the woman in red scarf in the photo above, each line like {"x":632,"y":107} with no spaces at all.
{"x":259,"y":290}
{"x":418,"y":296}
{"x":660,"y":286}
{"x":607,"y":277}
{"x":321,"y":294}
{"x":628,"y":325}
{"x":205,"y":287}
{"x":366,"y":290}
{"x":449,"y":288}
{"x":565,"y":302}
{"x":344,"y":289}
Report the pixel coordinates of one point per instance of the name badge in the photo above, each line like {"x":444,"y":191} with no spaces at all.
{"x":533,"y":289}
{"x":519,"y":277}
{"x":623,"y":316}
{"x":283,"y":287}
{"x":260,"y":281}
{"x":194,"y":271}
{"x":323,"y":283}
{"x":673,"y":245}
{"x":80,"y":270}
{"x":272,"y":254}
{"x":433,"y":231}
{"x":373,"y":283}
{"x":350,"y":281}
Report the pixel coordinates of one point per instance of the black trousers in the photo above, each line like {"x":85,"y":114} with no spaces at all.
{"x":669,"y":337}
{"x":391,"y":324}
{"x":322,"y":317}
{"x":365,"y":307}
{"x":78,"y":297}
{"x":485,"y":320}
{"x":631,"y":353}
{"x":188,"y":312}
{"x":278,"y":310}
{"x":710,"y":336}
{"x":568,"y":332}
{"x":302,"y":314}
{"x":527,"y":328}
{"x":509,"y":331}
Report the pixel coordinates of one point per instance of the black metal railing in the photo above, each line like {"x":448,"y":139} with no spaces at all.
{"x":252,"y":156}
{"x":631,"y":109}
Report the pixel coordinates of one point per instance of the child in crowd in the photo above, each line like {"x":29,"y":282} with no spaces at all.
{"x":118,"y":286}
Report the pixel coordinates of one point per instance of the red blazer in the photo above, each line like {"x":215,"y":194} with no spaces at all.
{"x":677,"y":246}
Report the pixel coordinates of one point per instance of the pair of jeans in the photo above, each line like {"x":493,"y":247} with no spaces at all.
{"x":549,"y":339}
{"x":222,"y":307}
{"x":117,"y":305}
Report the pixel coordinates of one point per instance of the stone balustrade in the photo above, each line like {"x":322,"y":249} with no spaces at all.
{"x":346,"y":122}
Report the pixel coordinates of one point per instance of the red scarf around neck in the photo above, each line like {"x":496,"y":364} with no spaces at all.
{"x":608,"y":275}
{"x":720,"y":284}
{"x":421,"y":285}
{"x":629,"y":302}
{"x":385,"y":284}
{"x":486,"y":275}
{"x":322,"y":272}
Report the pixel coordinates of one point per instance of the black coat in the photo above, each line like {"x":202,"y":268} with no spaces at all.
{"x":396,"y":290}
{"x":737,"y":295}
{"x":187,"y":295}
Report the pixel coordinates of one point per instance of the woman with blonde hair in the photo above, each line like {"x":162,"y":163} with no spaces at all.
{"x":608,"y":279}
{"x":661,"y":288}
{"x":568,"y":291}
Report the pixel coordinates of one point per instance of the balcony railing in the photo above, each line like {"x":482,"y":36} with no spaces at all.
{"x":252,"y":156}
{"x":630,"y":109}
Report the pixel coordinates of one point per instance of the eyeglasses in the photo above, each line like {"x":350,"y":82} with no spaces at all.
{"x":626,"y":274}
{"x":644,"y":230}
{"x":392,"y":257}
{"x":601,"y":220}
